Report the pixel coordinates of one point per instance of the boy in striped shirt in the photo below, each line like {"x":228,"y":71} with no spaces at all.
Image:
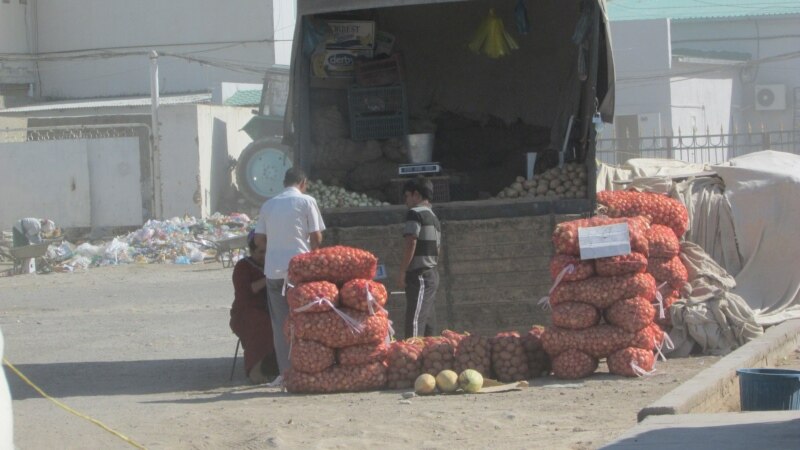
{"x":422,"y":236}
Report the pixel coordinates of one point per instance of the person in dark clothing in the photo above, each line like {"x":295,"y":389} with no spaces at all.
{"x":250,"y":319}
{"x":422,"y":236}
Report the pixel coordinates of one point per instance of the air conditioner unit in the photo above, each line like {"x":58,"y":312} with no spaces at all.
{"x":770,"y":97}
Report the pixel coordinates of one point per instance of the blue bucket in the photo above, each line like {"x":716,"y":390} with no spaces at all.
{"x":769,"y":389}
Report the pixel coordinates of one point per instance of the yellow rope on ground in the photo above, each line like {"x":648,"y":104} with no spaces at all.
{"x":70,"y":410}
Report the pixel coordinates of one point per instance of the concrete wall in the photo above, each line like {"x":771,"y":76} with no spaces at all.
{"x":642,"y":58}
{"x":77,"y":183}
{"x":493,"y":272}
{"x":15,"y":37}
{"x":237,"y":31}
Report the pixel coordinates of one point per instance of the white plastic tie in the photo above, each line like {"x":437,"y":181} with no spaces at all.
{"x":658,"y":348}
{"x":319,"y":301}
{"x":660,"y":299}
{"x":291,"y":340}
{"x":641,"y":372}
{"x":370,"y":301}
{"x":544,"y":302}
{"x":286,"y":285}
{"x":668,"y":342}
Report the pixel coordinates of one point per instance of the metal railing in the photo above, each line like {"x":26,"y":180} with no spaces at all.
{"x":70,"y":132}
{"x":697,"y":148}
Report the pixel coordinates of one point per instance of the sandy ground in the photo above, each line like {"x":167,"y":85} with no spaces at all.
{"x":147,"y":351}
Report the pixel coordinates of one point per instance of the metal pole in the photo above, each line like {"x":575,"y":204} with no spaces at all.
{"x":155,"y":138}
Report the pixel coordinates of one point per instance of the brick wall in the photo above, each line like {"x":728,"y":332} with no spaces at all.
{"x":493,"y":272}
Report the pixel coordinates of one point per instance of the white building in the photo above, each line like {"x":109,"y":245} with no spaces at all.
{"x":693,"y":67}
{"x":84,"y":63}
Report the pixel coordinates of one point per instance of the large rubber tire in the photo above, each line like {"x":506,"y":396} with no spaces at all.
{"x":260,"y":169}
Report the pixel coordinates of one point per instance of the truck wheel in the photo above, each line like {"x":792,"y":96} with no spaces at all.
{"x":260,"y":169}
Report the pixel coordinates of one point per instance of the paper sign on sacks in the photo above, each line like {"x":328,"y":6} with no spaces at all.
{"x":604,"y":241}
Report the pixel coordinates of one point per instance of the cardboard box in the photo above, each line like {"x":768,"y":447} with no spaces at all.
{"x":338,"y":63}
{"x":351,"y":35}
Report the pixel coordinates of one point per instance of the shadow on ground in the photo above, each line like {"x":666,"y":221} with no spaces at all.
{"x":97,"y":378}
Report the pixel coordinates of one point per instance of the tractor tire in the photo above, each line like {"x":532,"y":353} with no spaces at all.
{"x":260,"y":170}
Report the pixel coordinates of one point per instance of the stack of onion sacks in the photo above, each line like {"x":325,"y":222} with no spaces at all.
{"x":337,"y":325}
{"x":670,"y":220}
{"x":615,"y":289}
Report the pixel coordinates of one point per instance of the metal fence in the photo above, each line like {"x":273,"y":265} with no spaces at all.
{"x":52,"y":133}
{"x":697,"y":148}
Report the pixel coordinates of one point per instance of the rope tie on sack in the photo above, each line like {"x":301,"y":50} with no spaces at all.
{"x":544,"y":302}
{"x":354,"y":325}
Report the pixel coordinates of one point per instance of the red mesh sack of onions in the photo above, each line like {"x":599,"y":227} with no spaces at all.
{"x":598,"y":341}
{"x":602,"y":292}
{"x":363,"y":295}
{"x":474,"y":352}
{"x":538,"y":361}
{"x":454,"y":337}
{"x":310,"y":297}
{"x":580,"y":270}
{"x":631,"y":314}
{"x":631,"y":362}
{"x":657,"y":208}
{"x":338,"y":379}
{"x":438,"y":355}
{"x":648,"y":338}
{"x":333,"y":329}
{"x":663,"y":242}
{"x":565,"y":236}
{"x":613,"y":266}
{"x":573,"y":364}
{"x":509,"y":361}
{"x":669,"y":270}
{"x":404,"y":363}
{"x":358,"y":355}
{"x":575,"y":315}
{"x":309,"y":356}
{"x":336,"y":264}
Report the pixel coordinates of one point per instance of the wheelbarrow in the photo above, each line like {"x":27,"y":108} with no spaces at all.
{"x":230,"y":249}
{"x":33,"y":251}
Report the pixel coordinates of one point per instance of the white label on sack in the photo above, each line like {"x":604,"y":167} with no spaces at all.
{"x":604,"y":241}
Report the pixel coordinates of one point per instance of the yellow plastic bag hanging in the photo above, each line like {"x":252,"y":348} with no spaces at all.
{"x":492,"y":39}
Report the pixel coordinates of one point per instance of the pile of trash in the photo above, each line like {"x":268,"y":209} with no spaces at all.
{"x":178,"y":240}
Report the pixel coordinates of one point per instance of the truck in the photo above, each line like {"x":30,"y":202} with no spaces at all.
{"x":367,"y":74}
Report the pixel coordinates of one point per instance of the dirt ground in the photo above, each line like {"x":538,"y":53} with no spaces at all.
{"x":146,"y":349}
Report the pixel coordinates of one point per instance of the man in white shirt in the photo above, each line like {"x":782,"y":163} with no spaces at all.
{"x":288,"y":224}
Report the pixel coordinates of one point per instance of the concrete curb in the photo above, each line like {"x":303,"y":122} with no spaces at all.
{"x":717,"y":388}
